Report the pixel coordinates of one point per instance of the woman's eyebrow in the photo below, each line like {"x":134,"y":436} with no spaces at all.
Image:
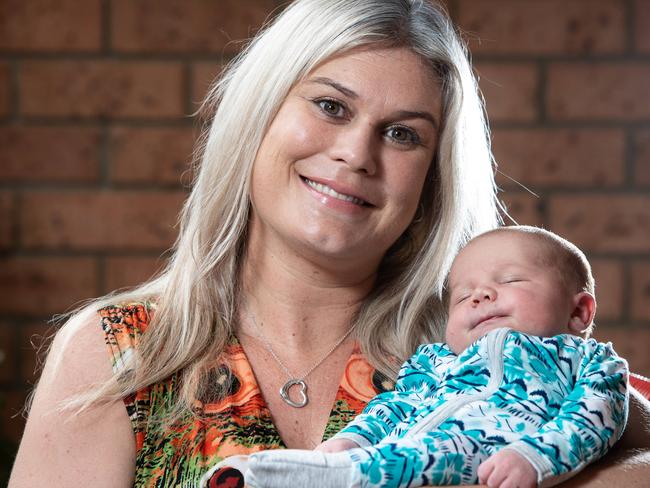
{"x":334,"y":84}
{"x":416,"y":114}
{"x":402,"y":114}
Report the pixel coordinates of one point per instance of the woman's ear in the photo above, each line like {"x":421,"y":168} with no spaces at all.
{"x":584,"y":309}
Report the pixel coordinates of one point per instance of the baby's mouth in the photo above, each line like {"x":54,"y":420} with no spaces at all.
{"x":488,"y":319}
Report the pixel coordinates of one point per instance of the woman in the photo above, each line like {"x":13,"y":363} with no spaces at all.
{"x":346,"y":162}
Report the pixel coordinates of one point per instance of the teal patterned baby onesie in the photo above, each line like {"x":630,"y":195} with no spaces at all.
{"x":561,"y":402}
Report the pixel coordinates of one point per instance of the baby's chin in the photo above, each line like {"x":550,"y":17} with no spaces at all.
{"x":459,"y":343}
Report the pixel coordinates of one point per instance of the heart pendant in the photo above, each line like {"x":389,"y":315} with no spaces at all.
{"x":284,"y":393}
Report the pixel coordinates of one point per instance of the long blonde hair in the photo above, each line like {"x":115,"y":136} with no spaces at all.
{"x":196,"y":294}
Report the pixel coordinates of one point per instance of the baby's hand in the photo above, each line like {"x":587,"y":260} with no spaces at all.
{"x":336,"y":445}
{"x":507,"y":469}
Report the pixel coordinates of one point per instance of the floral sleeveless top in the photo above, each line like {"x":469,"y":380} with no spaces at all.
{"x":238,"y":424}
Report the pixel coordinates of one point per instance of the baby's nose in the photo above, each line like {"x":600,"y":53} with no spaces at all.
{"x":484,"y":294}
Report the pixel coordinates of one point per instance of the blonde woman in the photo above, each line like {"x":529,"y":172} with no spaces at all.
{"x":346,"y":162}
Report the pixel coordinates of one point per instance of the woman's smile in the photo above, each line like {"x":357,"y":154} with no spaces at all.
{"x":339,"y":199}
{"x":327,"y":190}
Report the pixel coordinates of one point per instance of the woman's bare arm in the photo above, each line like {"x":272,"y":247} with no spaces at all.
{"x":95,"y":448}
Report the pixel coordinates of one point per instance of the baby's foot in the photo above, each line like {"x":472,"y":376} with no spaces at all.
{"x":295,"y":468}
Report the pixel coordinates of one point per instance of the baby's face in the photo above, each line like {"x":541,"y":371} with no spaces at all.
{"x":499,"y":281}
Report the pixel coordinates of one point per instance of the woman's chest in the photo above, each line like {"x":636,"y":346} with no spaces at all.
{"x":301,"y":407}
{"x":252,"y":417}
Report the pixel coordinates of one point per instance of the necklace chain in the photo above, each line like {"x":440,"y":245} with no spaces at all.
{"x":293,"y":377}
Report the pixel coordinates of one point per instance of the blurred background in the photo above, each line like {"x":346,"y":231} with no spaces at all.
{"x":96,"y":133}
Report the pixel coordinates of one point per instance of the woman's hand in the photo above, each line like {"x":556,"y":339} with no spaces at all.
{"x":507,"y":469}
{"x":336,"y":445}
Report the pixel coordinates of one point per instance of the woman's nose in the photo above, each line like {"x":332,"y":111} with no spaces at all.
{"x":355,"y":145}
{"x":484,"y":294}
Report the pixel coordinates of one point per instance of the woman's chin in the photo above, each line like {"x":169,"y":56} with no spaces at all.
{"x":343,"y":253}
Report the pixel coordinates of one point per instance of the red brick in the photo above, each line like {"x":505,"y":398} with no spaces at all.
{"x":642,"y":25}
{"x":126,"y":271}
{"x":597,"y":91}
{"x":4,"y":89}
{"x":100,"y":220}
{"x":642,"y":157}
{"x":12,"y":420}
{"x":185,"y":25}
{"x":36,"y":154}
{"x":41,"y":286}
{"x":151,"y":155}
{"x":544,"y":26}
{"x":50,"y":25}
{"x":608,"y":274}
{"x":630,"y":343}
{"x":510,"y":90}
{"x":6,"y":219}
{"x":101,"y":89}
{"x":34,"y":339}
{"x":603,"y":223}
{"x":203,"y":75}
{"x":640,"y":287}
{"x":7,"y":353}
{"x":524,"y":208}
{"x":559,"y":157}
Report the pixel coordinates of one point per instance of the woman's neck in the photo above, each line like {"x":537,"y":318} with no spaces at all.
{"x":296,"y":300}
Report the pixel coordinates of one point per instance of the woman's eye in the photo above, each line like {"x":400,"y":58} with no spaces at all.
{"x":331,"y":107}
{"x":402,"y":135}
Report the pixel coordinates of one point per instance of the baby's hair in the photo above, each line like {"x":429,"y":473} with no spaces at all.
{"x":570,"y":262}
{"x":566,"y":257}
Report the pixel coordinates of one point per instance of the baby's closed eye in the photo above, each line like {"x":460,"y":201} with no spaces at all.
{"x":513,"y":279}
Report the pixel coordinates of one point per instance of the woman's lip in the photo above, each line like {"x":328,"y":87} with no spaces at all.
{"x":336,"y":190}
{"x":340,"y":207}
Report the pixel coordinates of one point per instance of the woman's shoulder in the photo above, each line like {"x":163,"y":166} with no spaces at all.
{"x":82,"y":342}
{"x":76,"y":364}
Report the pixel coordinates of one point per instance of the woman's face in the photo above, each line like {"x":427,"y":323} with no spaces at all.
{"x":339,"y":173}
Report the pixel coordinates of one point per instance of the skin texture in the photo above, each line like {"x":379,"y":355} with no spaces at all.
{"x":498,"y":280}
{"x":507,"y":469}
{"x":336,"y":445}
{"x":62,"y":449}
{"x":365,"y":124}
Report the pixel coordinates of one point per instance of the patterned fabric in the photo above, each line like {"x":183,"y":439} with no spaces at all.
{"x":238,"y":424}
{"x":561,"y":402}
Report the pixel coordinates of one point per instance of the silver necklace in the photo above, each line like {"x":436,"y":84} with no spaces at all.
{"x":295,"y":380}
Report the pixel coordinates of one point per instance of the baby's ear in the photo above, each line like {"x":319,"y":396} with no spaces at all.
{"x":584,"y":309}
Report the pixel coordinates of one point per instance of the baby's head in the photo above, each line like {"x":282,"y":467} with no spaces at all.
{"x":525,"y":278}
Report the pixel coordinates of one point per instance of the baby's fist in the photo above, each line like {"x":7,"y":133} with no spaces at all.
{"x":507,"y":469}
{"x":336,"y":445}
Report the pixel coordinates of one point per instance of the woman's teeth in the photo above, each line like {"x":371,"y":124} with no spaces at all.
{"x":326,"y":190}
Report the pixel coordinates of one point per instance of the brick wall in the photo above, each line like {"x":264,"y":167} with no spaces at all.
{"x":96,"y":134}
{"x":567,"y":87}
